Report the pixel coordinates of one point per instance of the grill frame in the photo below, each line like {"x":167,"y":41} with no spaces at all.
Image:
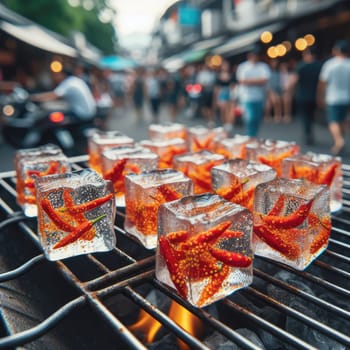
{"x":134,"y":272}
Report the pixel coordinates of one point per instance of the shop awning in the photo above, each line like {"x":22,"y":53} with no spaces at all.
{"x":34,"y":35}
{"x":242,"y":42}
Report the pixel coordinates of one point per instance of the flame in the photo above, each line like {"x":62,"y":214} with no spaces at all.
{"x":188,"y":321}
{"x":146,"y":324}
{"x":184,"y":318}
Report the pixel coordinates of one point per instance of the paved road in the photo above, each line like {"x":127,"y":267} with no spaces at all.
{"x":124,"y":119}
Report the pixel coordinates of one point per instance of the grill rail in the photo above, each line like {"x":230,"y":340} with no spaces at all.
{"x":125,"y":271}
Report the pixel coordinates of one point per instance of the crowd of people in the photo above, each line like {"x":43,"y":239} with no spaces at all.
{"x":261,"y":90}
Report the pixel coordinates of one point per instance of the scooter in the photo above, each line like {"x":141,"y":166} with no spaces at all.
{"x":26,"y":124}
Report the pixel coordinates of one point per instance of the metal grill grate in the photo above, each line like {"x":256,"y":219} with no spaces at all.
{"x":287,"y":308}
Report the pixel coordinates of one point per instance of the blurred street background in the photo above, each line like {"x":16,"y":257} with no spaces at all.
{"x":159,"y":60}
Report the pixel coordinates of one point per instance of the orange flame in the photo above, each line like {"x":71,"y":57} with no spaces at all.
{"x":146,"y":324}
{"x":184,"y":318}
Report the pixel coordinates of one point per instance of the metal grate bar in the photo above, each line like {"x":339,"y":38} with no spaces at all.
{"x":208,"y":318}
{"x":318,"y":280}
{"x":165,"y":320}
{"x":278,"y":332}
{"x":290,"y":288}
{"x":42,"y":328}
{"x":328,"y":331}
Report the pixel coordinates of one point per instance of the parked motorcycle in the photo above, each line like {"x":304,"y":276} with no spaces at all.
{"x":26,"y":124}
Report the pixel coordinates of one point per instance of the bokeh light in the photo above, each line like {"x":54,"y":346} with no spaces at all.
{"x":300,"y":44}
{"x":56,"y":66}
{"x":272,"y":52}
{"x":310,"y":39}
{"x":266,"y":37}
{"x":281,"y":50}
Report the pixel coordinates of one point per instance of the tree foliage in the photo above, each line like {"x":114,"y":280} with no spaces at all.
{"x":91,"y":17}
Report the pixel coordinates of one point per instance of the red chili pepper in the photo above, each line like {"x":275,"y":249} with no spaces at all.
{"x":289,"y":221}
{"x":275,"y":240}
{"x":176,"y":274}
{"x":84,"y":207}
{"x":117,"y":170}
{"x":198,"y":181}
{"x":69,"y":203}
{"x":211,"y":234}
{"x":177,"y":237}
{"x":278,"y":206}
{"x":77,"y":232}
{"x":30,"y":199}
{"x":29,"y":183}
{"x":54,"y":216}
{"x":228,"y":234}
{"x":214,"y":285}
{"x":52,"y":169}
{"x":229,"y":258}
{"x":320,"y":240}
{"x":169,"y":193}
{"x":199,"y":264}
{"x":328,"y":176}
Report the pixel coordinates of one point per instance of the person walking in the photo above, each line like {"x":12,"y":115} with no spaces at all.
{"x":303,"y":86}
{"x":253,"y":76}
{"x":334,"y":92}
{"x":153,"y":92}
{"x":222,"y":95}
{"x":274,"y":95}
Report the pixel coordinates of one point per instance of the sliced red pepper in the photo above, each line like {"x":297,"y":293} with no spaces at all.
{"x":229,"y":258}
{"x":275,"y":240}
{"x":278,"y":206}
{"x":293,"y":220}
{"x":320,"y":240}
{"x":328,"y":176}
{"x":178,"y":236}
{"x":211,"y":234}
{"x":117,"y":170}
{"x":77,"y":232}
{"x":199,"y":264}
{"x":228,"y":234}
{"x":54,"y":216}
{"x":84,"y":207}
{"x":214,"y":285}
{"x":169,"y":193}
{"x":176,"y":274}
{"x":30,"y":199}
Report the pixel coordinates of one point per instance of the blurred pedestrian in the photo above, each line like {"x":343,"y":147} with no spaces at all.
{"x":287,"y":98}
{"x":334,"y":92}
{"x":222,"y":94}
{"x":206,"y":78}
{"x":154,"y":94}
{"x":303,"y":85}
{"x":273,"y":107}
{"x":137,"y":92}
{"x":253,"y":76}
{"x":174,"y":90}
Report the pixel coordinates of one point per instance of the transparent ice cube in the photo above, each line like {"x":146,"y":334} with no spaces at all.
{"x":291,"y":221}
{"x":204,"y":247}
{"x":166,"y":149}
{"x":234,"y":147}
{"x":99,"y":141}
{"x":322,"y":169}
{"x":122,"y":160}
{"x":38,"y":162}
{"x":197,"y":166}
{"x":271,"y":152}
{"x":166,"y":131}
{"x":76,"y":213}
{"x":201,"y":138}
{"x":236,"y":179}
{"x":144,"y":194}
